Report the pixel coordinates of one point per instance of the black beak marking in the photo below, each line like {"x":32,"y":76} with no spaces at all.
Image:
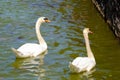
{"x":45,"y":18}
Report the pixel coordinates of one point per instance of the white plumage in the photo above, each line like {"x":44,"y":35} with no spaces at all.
{"x":33,"y":49}
{"x":81,"y":64}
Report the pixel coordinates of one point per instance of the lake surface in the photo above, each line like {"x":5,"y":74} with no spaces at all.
{"x":63,"y":36}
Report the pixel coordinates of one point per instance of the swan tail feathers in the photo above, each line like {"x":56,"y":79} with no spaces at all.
{"x":15,"y":50}
{"x":73,"y":68}
{"x":17,"y":53}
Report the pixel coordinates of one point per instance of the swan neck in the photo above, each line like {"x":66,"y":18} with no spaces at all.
{"x":39,"y":36}
{"x":89,"y":51}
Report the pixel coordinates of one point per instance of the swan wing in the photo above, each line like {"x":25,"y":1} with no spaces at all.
{"x":29,"y":50}
{"x":82,"y":64}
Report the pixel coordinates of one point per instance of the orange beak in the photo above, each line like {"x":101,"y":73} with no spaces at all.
{"x":47,"y":21}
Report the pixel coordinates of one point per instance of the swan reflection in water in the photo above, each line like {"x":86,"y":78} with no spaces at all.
{"x":82,"y":76}
{"x":31,"y":65}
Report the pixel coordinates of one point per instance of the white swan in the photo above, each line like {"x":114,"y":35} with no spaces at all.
{"x":32,"y":49}
{"x":81,"y":64}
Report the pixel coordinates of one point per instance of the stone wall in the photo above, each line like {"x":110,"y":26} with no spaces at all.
{"x":110,"y":10}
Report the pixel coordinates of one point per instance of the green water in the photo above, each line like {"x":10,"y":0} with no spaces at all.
{"x":63,"y":36}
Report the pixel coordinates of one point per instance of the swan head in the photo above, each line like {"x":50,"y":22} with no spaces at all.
{"x":86,"y":31}
{"x":43,"y":19}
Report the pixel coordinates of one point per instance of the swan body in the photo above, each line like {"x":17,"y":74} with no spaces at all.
{"x":33,"y":49}
{"x":81,"y":64}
